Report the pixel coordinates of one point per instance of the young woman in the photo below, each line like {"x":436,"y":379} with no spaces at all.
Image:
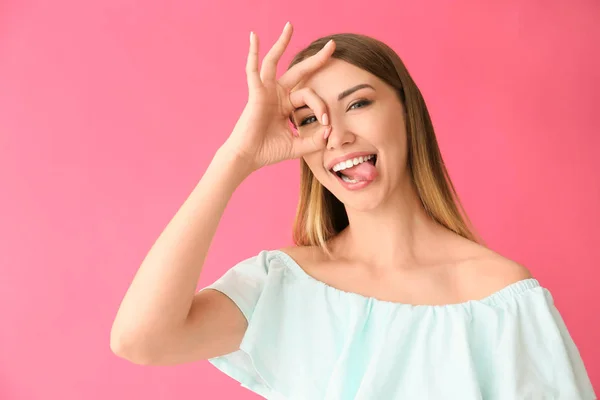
{"x":387,"y":294}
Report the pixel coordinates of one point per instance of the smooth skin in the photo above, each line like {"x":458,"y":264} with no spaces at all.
{"x":161,"y":319}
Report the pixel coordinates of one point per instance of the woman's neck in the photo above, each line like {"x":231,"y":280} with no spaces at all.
{"x":399,"y":233}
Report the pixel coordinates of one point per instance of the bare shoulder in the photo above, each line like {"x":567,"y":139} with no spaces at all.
{"x":303,"y":254}
{"x":490,"y":273}
{"x":290,"y":250}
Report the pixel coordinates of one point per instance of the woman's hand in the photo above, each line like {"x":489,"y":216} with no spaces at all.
{"x":262,"y":135}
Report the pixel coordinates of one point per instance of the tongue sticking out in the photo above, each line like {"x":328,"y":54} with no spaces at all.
{"x":362,"y":172}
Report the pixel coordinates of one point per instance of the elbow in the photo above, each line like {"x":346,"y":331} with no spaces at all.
{"x":129,"y":348}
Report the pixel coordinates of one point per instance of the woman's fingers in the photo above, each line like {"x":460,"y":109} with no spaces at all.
{"x":306,"y":67}
{"x":316,"y":141}
{"x":302,"y":145}
{"x":269,"y":66}
{"x":308,"y":97}
{"x":252,"y":64}
{"x":268,"y":69}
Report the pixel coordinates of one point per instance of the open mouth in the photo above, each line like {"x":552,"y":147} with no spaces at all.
{"x":340,"y":173}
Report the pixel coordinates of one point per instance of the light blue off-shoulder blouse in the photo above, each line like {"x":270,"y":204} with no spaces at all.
{"x":309,"y":341}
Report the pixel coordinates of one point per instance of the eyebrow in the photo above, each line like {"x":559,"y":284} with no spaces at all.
{"x":344,"y":94}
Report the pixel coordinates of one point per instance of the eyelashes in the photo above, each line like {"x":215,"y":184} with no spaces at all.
{"x":310,"y":119}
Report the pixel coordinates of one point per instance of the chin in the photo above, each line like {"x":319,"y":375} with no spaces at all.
{"x":362,"y":207}
{"x":360,"y":201}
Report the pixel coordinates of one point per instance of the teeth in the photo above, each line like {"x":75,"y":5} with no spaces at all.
{"x":350,"y":163}
{"x":346,"y":179}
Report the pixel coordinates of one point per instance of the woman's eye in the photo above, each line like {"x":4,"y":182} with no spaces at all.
{"x":360,"y":102}
{"x":305,"y":120}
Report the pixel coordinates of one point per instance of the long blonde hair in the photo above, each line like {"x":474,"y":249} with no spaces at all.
{"x":320,"y":215}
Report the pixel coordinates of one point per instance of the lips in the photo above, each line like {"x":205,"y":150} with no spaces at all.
{"x":341,"y":173}
{"x":360,"y":178}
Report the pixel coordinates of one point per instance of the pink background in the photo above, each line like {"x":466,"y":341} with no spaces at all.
{"x":110,"y":112}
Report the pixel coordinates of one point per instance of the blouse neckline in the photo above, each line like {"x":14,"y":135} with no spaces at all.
{"x":512,"y":290}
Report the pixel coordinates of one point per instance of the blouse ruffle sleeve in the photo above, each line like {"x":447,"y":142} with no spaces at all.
{"x":306,"y":340}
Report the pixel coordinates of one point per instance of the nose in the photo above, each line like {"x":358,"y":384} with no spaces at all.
{"x":339,"y":136}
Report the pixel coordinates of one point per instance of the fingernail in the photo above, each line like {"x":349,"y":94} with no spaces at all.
{"x":286,"y":25}
{"x":325,"y":119}
{"x":327,"y":131}
{"x":251,"y":36}
{"x":328,"y":43}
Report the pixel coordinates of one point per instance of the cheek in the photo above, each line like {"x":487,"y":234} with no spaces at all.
{"x":391,"y":131}
{"x":374,"y":126}
{"x":314,"y":162}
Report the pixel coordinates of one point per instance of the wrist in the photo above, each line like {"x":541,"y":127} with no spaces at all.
{"x":230,"y":158}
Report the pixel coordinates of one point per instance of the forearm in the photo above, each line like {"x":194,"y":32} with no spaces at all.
{"x":161,"y":294}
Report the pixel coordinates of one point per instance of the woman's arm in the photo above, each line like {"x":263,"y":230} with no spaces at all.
{"x":159,"y":301}
{"x":161,"y":320}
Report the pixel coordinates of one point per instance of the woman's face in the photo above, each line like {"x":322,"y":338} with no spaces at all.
{"x":370,"y":120}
